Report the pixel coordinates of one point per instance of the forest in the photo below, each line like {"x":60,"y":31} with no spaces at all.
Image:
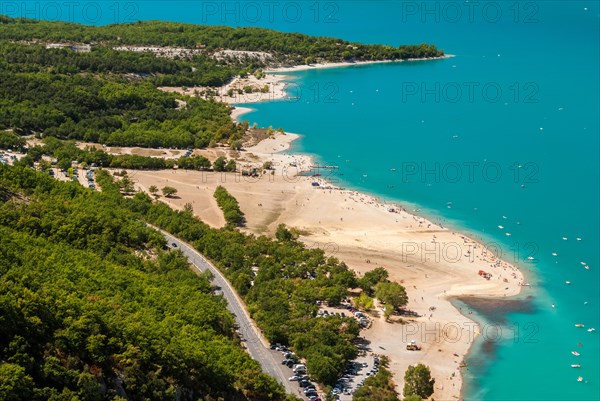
{"x":289,"y":48}
{"x":110,"y":111}
{"x":91,"y":302}
{"x":94,"y":307}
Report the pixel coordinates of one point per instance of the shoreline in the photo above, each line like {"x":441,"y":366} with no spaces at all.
{"x":341,"y":64}
{"x":460,"y":297}
{"x":372,"y":236}
{"x":273,"y":85}
{"x":239,"y":111}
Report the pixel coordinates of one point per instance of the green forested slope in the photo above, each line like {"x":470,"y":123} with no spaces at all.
{"x":92,"y":306}
{"x":290,"y":47}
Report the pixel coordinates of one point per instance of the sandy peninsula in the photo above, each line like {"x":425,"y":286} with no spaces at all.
{"x":434,"y":263}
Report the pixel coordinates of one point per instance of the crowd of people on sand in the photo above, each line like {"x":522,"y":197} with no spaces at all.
{"x":474,"y":250}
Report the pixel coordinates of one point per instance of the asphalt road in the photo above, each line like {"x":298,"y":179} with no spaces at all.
{"x":255,"y":343}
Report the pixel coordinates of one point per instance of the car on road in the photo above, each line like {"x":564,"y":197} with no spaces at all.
{"x":174,"y":245}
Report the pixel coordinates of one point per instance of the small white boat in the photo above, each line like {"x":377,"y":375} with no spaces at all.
{"x":575,"y":353}
{"x":567,"y":282}
{"x":501,"y":227}
{"x":578,"y":239}
{"x":508,"y":234}
{"x":583,"y":263}
{"x":554,"y":254}
{"x":575,"y":365}
{"x":564,"y":238}
{"x":530,"y":257}
{"x":580,"y":379}
{"x":591,"y":329}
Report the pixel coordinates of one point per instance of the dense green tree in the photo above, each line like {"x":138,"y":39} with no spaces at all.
{"x":219,"y":164}
{"x":283,"y":233}
{"x":168,"y":191}
{"x":15,"y":384}
{"x":230,"y":166}
{"x":372,"y":278}
{"x":323,"y":368}
{"x":230,"y":207}
{"x":391,"y":293}
{"x":236,"y":145}
{"x":363,"y":302}
{"x":11,"y":141}
{"x":418,"y":381}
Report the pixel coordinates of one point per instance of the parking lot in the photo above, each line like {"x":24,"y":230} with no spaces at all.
{"x":362,"y":367}
{"x":365,"y":365}
{"x":300,"y":381}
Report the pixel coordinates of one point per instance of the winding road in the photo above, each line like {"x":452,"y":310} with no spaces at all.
{"x":256,"y":344}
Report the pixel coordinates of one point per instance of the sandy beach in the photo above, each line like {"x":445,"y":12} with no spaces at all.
{"x":432,"y":262}
{"x":305,"y":67}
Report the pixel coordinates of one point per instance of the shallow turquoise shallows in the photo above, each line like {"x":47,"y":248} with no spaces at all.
{"x":504,"y":134}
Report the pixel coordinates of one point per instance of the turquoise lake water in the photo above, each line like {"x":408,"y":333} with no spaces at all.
{"x":523,"y":90}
